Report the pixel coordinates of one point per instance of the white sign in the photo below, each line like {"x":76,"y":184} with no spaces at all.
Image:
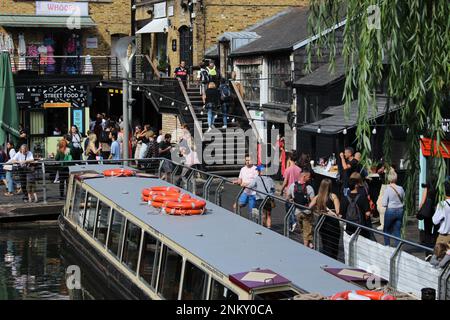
{"x":46,"y":8}
{"x":170,"y":11}
{"x":91,"y":43}
{"x":159,"y":10}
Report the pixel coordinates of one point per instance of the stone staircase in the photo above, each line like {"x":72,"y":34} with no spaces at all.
{"x":229,"y":159}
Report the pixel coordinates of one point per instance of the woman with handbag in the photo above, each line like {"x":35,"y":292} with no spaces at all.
{"x":75,"y":143}
{"x":327,"y":203}
{"x":426,"y":210}
{"x":265,"y":184}
{"x":393,"y":199}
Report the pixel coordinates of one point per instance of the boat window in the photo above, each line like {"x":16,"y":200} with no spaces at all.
{"x":70,"y":202}
{"x":170,"y":274}
{"x":79,"y":205}
{"x":149,"y":259}
{"x":116,"y":233}
{"x":277,"y":295}
{"x":101,"y":231}
{"x":131,"y":246}
{"x":91,"y":211}
{"x":220,"y":292}
{"x":195,"y":283}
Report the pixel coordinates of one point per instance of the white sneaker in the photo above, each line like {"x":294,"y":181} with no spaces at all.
{"x":380,"y":228}
{"x":209,"y":129}
{"x":293,"y":227}
{"x":224,"y":127}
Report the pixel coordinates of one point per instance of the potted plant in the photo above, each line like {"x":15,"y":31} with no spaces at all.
{"x":162,"y":63}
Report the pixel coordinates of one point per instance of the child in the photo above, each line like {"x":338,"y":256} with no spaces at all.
{"x":31,"y":185}
{"x":441,"y":255}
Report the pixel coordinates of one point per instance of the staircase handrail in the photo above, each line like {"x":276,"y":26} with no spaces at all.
{"x":191,"y":109}
{"x":247,"y":113}
{"x":155,"y":69}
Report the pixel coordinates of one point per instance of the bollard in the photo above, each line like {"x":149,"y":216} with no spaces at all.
{"x":428,"y":294}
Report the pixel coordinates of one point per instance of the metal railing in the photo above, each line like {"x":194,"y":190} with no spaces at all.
{"x":197,"y":124}
{"x":404,"y":265}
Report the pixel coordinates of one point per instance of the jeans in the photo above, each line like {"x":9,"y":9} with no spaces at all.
{"x":393,"y":220}
{"x":250,"y":199}
{"x":10,"y":181}
{"x":225,"y":113}
{"x":211,"y":115}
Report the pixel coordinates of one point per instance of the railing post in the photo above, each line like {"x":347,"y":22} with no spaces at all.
{"x":286,"y":218}
{"x":44,"y":183}
{"x":217,"y":198}
{"x":188,"y":180}
{"x":351,"y":247}
{"x":392,"y":268}
{"x":174,"y":172}
{"x":206,"y":188}
{"x":161,"y":163}
{"x":237,"y":208}
{"x":316,"y":231}
{"x":261,"y":209}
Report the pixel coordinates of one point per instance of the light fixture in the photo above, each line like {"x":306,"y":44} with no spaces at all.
{"x":407,"y":130}
{"x":201,"y":113}
{"x":273,"y":127}
{"x":233,"y":120}
{"x":100,"y":84}
{"x":319,"y":129}
{"x":161,"y":99}
{"x":374,"y":131}
{"x":215,"y":117}
{"x":28,"y":89}
{"x":173,"y":104}
{"x":250,"y":122}
{"x":345,"y":131}
{"x":186,"y":108}
{"x":138,"y":88}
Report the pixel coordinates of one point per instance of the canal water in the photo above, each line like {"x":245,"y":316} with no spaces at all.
{"x":33,"y":262}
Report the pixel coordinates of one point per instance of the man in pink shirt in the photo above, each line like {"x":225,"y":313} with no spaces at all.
{"x":246,"y":176}
{"x":291,"y":175}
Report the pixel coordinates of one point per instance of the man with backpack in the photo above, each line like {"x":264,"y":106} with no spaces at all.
{"x":355,"y":208}
{"x":302,"y":193}
{"x":225,"y":99}
{"x":203,"y":76}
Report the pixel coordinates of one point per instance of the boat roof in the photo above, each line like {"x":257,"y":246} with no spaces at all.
{"x":224,"y":240}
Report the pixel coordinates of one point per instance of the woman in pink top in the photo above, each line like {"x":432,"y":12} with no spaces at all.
{"x":291,"y":175}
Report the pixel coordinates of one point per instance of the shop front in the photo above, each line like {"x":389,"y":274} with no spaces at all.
{"x":48,"y":112}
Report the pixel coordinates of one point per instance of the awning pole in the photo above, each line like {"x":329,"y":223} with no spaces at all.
{"x":422,"y":179}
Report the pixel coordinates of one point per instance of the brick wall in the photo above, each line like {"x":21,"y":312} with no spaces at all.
{"x":171,"y":124}
{"x":112,"y":17}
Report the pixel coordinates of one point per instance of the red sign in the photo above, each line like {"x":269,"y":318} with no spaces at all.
{"x":427,"y":146}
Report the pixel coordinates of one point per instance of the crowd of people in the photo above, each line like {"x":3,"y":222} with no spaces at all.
{"x":352,"y":203}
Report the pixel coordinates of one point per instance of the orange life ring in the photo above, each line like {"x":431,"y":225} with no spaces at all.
{"x":177,"y":198}
{"x":148,"y":193}
{"x":165,"y":189}
{"x":372,"y":295}
{"x":118,"y":173}
{"x":156,"y":204}
{"x":184,"y":212}
{"x":186,"y":205}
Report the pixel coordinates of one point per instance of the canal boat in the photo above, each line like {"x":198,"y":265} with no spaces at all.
{"x":148,"y":254}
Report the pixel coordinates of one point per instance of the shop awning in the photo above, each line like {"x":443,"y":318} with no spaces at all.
{"x":155,"y":26}
{"x":429,"y":145}
{"x":32,"y":21}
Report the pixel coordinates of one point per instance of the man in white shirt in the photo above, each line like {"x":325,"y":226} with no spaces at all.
{"x":442,"y":217}
{"x":246,"y":176}
{"x":23,"y":157}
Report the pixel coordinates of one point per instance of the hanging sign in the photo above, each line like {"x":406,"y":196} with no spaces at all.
{"x":47,"y":8}
{"x":52,"y":96}
{"x":91,"y":43}
{"x":159,"y":10}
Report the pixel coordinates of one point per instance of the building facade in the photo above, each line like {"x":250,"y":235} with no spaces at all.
{"x":185,"y":29}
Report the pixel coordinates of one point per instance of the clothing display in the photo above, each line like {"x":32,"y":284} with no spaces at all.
{"x":22,"y":50}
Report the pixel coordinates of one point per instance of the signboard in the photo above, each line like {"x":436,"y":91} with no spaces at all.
{"x":429,"y":146}
{"x":47,"y":8}
{"x":248,"y":61}
{"x":36,"y":97}
{"x":159,"y":10}
{"x":77,"y":119}
{"x":170,"y":11}
{"x":57,"y":105}
{"x":92,"y":43}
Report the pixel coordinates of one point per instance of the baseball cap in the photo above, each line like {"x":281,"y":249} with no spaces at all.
{"x":260,"y":168}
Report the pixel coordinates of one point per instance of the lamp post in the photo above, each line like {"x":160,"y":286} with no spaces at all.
{"x":121,"y":51}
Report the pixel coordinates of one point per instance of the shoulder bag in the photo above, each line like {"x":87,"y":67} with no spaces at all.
{"x":271,"y":203}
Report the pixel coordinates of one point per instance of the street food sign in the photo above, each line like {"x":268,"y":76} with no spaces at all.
{"x":48,"y":8}
{"x":58,"y":96}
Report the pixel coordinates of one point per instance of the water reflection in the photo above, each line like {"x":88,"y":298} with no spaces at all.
{"x":33,"y":260}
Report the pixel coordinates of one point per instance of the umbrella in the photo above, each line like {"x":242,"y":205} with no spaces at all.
{"x":9,"y":111}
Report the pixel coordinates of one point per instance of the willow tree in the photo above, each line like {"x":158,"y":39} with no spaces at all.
{"x":414,"y":37}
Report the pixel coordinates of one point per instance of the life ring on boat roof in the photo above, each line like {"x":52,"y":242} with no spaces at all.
{"x":182,"y":197}
{"x":165,"y":191}
{"x":119,"y":173}
{"x":191,"y":204}
{"x":372,"y":295}
{"x":184,"y":212}
{"x":156,"y":204}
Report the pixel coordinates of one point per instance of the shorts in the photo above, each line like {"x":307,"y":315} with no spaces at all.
{"x":306,"y":222}
{"x":167,"y":167}
{"x":247,"y":198}
{"x":31,"y":187}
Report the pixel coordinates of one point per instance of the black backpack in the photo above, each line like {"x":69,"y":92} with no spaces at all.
{"x":225,"y":93}
{"x":204,"y":76}
{"x":353,"y":211}
{"x":301,"y":194}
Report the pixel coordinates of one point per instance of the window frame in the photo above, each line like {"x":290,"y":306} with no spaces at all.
{"x":117,"y":255}
{"x":97,"y":220}
{"x":252,"y":81}
{"x":210,"y":290}
{"x":208,"y":278}
{"x":165,"y":247}
{"x":95,"y":214}
{"x":84,"y":208}
{"x":138,"y":247}
{"x":276,"y":73}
